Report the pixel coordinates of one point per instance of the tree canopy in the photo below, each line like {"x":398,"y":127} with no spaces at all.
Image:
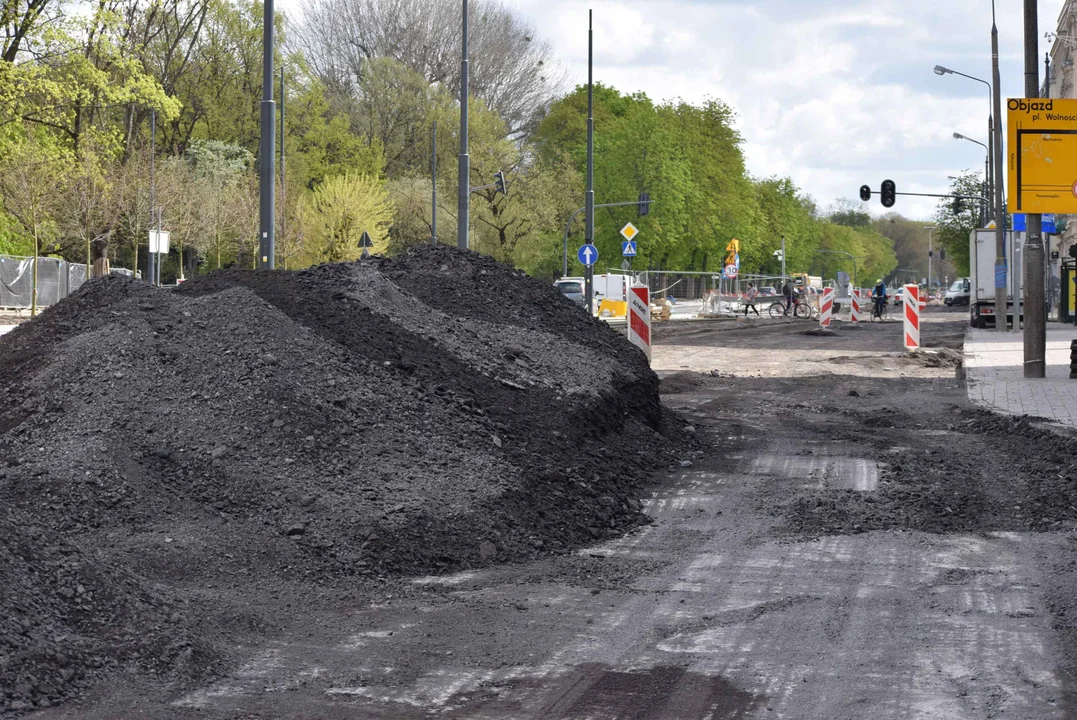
{"x":139,"y":110}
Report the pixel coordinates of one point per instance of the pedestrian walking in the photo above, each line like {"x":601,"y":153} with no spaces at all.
{"x":749,"y":299}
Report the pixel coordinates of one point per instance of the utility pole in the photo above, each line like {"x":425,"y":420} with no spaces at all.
{"x":150,"y":256}
{"x":464,"y":181}
{"x":267,"y":179}
{"x":589,"y":200}
{"x":434,"y":184}
{"x":1000,"y":224}
{"x":1034,"y":258}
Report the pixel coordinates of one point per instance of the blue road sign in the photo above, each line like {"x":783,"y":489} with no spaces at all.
{"x":628,"y":248}
{"x":588,"y":254}
{"x":1047,"y":223}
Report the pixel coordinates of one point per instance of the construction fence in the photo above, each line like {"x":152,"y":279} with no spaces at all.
{"x":56,"y":279}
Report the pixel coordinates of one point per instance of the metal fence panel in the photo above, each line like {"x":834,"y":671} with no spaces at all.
{"x":16,"y":282}
{"x":76,"y":275}
{"x":48,"y":281}
{"x":56,"y":279}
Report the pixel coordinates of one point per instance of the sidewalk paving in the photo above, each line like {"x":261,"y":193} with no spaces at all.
{"x":994,"y":364}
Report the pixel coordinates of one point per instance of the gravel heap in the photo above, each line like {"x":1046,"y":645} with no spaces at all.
{"x":432,"y":412}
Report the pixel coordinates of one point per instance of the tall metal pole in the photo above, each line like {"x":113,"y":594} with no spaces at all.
{"x":464,"y":180}
{"x":434,"y":185}
{"x":783,"y":258}
{"x":283,"y":189}
{"x":1035,"y":304}
{"x":589,"y":200}
{"x":150,"y":256}
{"x":1000,"y":224}
{"x":267,"y":179}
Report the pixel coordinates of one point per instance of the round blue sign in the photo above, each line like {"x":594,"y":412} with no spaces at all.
{"x":588,"y":254}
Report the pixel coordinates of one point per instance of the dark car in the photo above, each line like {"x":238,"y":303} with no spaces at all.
{"x":573,"y":289}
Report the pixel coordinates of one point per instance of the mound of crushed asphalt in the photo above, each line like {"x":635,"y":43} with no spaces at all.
{"x":432,"y":412}
{"x":951,"y":479}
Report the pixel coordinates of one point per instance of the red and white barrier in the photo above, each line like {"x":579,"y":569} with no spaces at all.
{"x":639,"y":318}
{"x":911,"y":301}
{"x":855,"y":296}
{"x":826,"y":307}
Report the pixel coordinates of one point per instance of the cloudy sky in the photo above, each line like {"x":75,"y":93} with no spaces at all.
{"x":833,"y":93}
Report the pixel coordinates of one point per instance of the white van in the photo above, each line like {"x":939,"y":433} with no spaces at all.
{"x":959,"y":293}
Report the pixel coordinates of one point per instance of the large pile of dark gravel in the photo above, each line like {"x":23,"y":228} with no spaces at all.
{"x":432,"y":412}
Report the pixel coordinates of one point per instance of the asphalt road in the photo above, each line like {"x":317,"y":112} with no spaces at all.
{"x":719,"y":608}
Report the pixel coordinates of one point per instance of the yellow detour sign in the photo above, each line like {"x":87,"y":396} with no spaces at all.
{"x":733,"y":247}
{"x":1042,"y":158}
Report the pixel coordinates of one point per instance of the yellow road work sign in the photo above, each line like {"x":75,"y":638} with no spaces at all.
{"x":733,"y":247}
{"x":1041,"y":167}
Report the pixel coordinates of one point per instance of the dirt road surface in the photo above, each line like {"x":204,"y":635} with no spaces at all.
{"x":851,"y":541}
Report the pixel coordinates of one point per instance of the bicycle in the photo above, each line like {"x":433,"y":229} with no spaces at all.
{"x":801,"y":309}
{"x":879,"y":311}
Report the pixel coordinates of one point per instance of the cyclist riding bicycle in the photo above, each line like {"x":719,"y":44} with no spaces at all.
{"x":879,"y":295}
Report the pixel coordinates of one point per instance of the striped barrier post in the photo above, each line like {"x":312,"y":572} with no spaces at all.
{"x":826,"y":308}
{"x":911,"y":303}
{"x":855,"y":296}
{"x":639,"y":318}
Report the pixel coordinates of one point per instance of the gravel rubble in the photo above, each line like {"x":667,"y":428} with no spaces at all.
{"x":428,"y":413}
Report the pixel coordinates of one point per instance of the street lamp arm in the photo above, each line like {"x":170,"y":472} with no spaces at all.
{"x":955,"y":72}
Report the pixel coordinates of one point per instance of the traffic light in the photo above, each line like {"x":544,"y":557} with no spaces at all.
{"x":942,"y":253}
{"x":865,"y":193}
{"x":644,"y":204}
{"x":958,"y":206}
{"x":888,"y":193}
{"x":499,"y":180}
{"x":930,"y":253}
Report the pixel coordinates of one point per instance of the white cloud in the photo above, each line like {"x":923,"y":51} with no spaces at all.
{"x":833,"y":94}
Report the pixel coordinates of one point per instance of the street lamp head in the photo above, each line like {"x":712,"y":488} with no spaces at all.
{"x":958,"y":136}
{"x":940,"y":70}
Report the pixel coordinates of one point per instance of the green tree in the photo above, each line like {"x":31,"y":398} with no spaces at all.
{"x":954,"y":229}
{"x":338,"y":212}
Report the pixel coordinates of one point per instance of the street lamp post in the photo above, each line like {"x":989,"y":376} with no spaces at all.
{"x":463,"y":220}
{"x":940,"y":70}
{"x":987,"y":161}
{"x":267,"y":214}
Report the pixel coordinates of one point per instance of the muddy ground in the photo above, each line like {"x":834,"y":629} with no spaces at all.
{"x":848,"y":543}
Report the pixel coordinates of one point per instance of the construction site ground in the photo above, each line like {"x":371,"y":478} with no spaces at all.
{"x":850,"y":540}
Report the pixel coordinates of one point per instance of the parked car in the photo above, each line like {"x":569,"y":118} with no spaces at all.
{"x":897,"y":295}
{"x":767,"y":291}
{"x":573,"y":289}
{"x":959,"y":293}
